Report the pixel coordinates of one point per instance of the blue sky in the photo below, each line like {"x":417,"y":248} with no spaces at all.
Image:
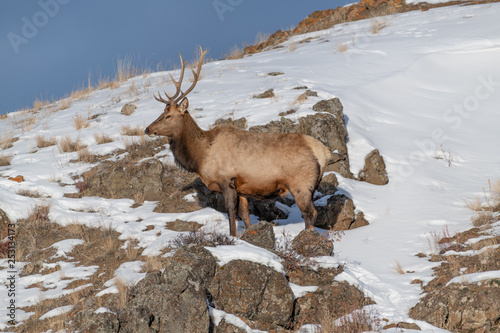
{"x":49,"y":47}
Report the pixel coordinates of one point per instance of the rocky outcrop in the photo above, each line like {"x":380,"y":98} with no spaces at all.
{"x":463,"y":307}
{"x":338,"y":214}
{"x":374,"y":171}
{"x":310,"y":243}
{"x":260,"y":234}
{"x":334,"y":299}
{"x":255,"y":292}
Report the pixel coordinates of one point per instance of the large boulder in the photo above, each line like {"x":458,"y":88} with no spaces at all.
{"x":174,"y":301}
{"x":374,"y":171}
{"x":338,"y":214}
{"x":462,"y":307}
{"x":254,"y":292}
{"x":176,"y":304}
{"x":260,"y":234}
{"x":335,"y":300}
{"x":310,"y":243}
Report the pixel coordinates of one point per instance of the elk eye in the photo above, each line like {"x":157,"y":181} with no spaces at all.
{"x":166,"y":117}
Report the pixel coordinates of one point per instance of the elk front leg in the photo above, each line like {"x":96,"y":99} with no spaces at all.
{"x":243,"y":211}
{"x":230,"y":201}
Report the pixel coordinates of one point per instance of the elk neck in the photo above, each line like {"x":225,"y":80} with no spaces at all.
{"x":190,"y":145}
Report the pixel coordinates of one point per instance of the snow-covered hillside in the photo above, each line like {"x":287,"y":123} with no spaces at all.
{"x":424,"y":90}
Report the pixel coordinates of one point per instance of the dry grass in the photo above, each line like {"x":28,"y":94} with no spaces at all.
{"x":341,"y":47}
{"x":30,"y":193}
{"x":132,"y":131}
{"x":80,"y":122}
{"x":125,"y":69}
{"x":102,"y":138}
{"x":39,"y":103}
{"x":378,"y":24}
{"x":7,"y":140}
{"x":236,"y":52}
{"x":5,"y":159}
{"x":66,"y":145}
{"x":43,"y":142}
{"x":64,"y":104}
{"x":123,"y":293}
{"x":82,"y":93}
{"x":398,"y":268}
{"x":84,"y":156}
{"x":488,"y":207}
{"x":24,"y":120}
{"x":292,"y":47}
{"x":483,"y":218}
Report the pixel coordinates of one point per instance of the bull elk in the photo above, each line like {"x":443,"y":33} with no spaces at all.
{"x":240,"y":163}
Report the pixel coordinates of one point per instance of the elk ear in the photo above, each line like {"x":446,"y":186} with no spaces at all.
{"x":184,"y":105}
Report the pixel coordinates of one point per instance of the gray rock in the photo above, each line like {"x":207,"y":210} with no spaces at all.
{"x":374,"y":171}
{"x":310,"y":243}
{"x":254,"y":292}
{"x":338,"y":214}
{"x":260,"y":234}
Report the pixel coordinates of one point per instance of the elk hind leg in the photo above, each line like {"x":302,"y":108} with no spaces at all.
{"x":304,"y":200}
{"x":230,"y":201}
{"x":243,"y":211}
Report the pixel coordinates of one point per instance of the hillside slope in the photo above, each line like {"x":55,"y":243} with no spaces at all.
{"x":421,"y":87}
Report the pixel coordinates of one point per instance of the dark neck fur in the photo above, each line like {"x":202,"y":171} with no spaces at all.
{"x":190,"y":146}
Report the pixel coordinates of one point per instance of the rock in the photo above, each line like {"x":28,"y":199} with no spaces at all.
{"x":333,"y":106}
{"x":303,"y":275}
{"x":328,"y":184}
{"x":332,"y":133}
{"x":334,"y":300}
{"x":360,"y":221}
{"x":161,"y":308}
{"x":104,"y":322}
{"x":275,"y":73}
{"x":286,"y":113}
{"x":310,"y":243}
{"x":464,"y":307}
{"x":374,"y":171}
{"x":4,"y":225}
{"x":338,"y":214}
{"x":254,"y":292}
{"x":406,"y":326}
{"x":179,"y":225}
{"x":240,"y":122}
{"x":266,"y":94}
{"x":199,"y":259}
{"x":128,"y":109}
{"x":261,"y":234}
{"x":174,"y":301}
{"x":307,"y":93}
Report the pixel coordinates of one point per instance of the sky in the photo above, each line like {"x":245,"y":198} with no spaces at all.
{"x":50,"y":47}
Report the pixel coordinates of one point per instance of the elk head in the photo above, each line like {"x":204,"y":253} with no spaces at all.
{"x":169,"y":123}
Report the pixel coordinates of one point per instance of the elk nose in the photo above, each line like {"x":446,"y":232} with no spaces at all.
{"x":146,"y":131}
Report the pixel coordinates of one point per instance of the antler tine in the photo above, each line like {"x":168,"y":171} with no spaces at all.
{"x":178,"y":83}
{"x":196,"y":75}
{"x":160,"y":99}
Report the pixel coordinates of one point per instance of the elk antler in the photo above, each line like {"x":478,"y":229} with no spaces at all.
{"x":172,"y":100}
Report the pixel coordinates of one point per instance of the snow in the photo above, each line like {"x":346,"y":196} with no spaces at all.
{"x":475,"y":277}
{"x":424,"y":91}
{"x":65,"y":246}
{"x":57,"y":312}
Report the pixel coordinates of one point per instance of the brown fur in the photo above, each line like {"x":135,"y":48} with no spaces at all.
{"x":239,"y":163}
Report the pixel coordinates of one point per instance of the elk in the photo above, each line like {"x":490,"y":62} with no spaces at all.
{"x":240,"y":163}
